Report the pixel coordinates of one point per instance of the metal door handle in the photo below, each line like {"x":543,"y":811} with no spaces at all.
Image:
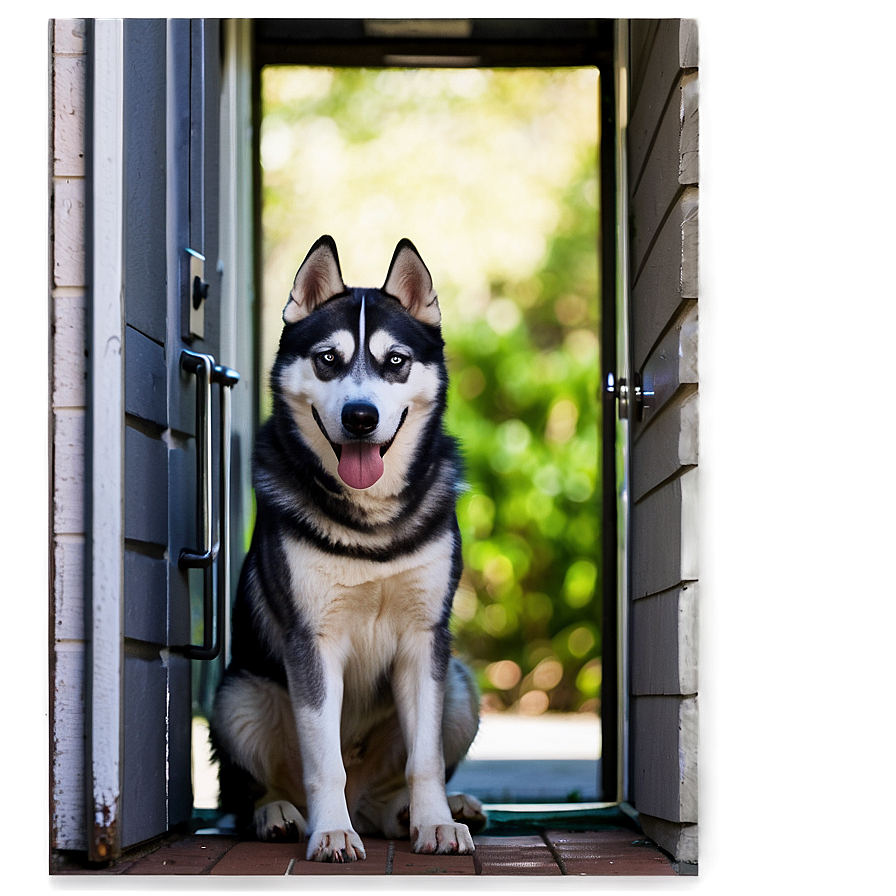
{"x":202,"y":366}
{"x":211,"y":553}
{"x":226,"y":379}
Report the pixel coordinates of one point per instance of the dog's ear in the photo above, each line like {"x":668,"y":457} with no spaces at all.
{"x":317,"y":280}
{"x":410,"y":282}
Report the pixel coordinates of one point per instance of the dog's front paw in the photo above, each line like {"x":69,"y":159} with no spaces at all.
{"x":278,"y":822}
{"x":443,"y":838}
{"x":335,"y":846}
{"x":469,"y":810}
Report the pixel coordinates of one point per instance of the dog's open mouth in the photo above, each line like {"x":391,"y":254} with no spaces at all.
{"x":360,"y":462}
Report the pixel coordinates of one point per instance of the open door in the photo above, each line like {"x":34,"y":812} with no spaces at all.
{"x":158,"y":420}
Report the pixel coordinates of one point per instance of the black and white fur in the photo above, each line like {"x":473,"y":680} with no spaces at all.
{"x":342,"y":710}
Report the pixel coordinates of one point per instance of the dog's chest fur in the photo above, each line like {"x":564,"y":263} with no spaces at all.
{"x":364,"y":611}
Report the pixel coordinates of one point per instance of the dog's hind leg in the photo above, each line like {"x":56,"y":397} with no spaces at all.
{"x":278,"y":820}
{"x":255,"y":741}
{"x":460,"y":725}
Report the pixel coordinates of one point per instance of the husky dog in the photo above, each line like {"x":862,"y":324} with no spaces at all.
{"x":342,"y":710}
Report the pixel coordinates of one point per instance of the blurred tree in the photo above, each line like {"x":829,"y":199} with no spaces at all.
{"x":493,"y":175}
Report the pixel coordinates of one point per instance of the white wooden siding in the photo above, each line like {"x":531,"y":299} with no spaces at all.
{"x":68,"y":403}
{"x":663,"y":174}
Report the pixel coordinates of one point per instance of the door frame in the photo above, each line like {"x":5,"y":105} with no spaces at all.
{"x":504,"y":43}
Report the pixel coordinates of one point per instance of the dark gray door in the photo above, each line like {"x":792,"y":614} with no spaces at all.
{"x":169,"y":113}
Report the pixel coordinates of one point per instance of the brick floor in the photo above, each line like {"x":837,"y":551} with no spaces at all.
{"x":528,"y":855}
{"x":612,"y":853}
{"x":555,"y":852}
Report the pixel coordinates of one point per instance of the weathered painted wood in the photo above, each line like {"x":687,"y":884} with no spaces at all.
{"x":145,"y":150}
{"x":671,"y":366}
{"x":690,"y":246}
{"x":68,"y":781}
{"x":181,"y":385}
{"x":145,"y":592}
{"x":670,"y":444}
{"x":69,"y":36}
{"x":68,"y":470}
{"x":664,"y":528}
{"x":662,"y":664}
{"x":68,"y":397}
{"x":183,"y":532}
{"x":688,"y":43}
{"x":146,"y":482}
{"x":106,"y":462}
{"x":659,"y":186}
{"x":180,"y":730}
{"x":679,"y":840}
{"x":69,"y":351}
{"x":69,"y":97}
{"x":689,"y":167}
{"x":68,"y":588}
{"x":663,"y":147}
{"x":687,"y":763}
{"x":659,"y":74}
{"x":668,"y":278}
{"x":68,"y":232}
{"x":144,"y":756}
{"x":642,"y":34}
{"x":664,"y":761}
{"x":146,"y":389}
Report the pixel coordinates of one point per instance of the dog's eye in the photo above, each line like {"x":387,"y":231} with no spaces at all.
{"x":396,"y":360}
{"x":327,"y":358}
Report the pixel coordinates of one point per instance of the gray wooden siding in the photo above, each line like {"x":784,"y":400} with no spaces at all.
{"x":663,"y":177}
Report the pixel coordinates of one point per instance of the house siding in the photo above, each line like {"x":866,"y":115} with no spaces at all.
{"x":664,"y":192}
{"x":68,"y":376}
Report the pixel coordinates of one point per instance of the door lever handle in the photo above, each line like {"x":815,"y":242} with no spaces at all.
{"x":212,"y":553}
{"x":202,"y":366}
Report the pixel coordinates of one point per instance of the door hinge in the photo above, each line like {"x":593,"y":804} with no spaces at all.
{"x":629,"y":397}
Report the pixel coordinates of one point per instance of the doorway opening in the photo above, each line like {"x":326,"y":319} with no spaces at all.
{"x":493,"y":172}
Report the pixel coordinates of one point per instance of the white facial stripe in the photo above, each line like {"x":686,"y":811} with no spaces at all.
{"x":304,"y":390}
{"x":341,"y":342}
{"x":362,"y":325}
{"x":383,"y":343}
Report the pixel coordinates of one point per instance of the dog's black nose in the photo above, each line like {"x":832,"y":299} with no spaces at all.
{"x":360,"y":418}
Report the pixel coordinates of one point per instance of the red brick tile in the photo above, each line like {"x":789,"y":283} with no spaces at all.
{"x":609,"y":853}
{"x":190,"y":855}
{"x":514,"y":855}
{"x":251,"y":857}
{"x":406,"y":861}
{"x":375,"y":864}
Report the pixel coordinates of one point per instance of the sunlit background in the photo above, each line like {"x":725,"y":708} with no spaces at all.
{"x":493,"y":175}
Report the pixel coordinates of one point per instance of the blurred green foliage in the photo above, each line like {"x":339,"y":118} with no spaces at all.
{"x":522,"y":401}
{"x":493,"y":175}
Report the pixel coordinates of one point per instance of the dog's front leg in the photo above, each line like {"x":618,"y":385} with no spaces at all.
{"x":318,"y":706}
{"x":419,"y":691}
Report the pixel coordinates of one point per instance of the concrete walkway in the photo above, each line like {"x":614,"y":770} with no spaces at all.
{"x":552,"y":758}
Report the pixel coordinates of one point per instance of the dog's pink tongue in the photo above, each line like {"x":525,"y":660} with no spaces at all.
{"x":360,"y":464}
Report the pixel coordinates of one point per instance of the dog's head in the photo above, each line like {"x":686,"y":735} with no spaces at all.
{"x":361,"y":371}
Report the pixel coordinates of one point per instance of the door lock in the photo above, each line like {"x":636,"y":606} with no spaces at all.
{"x":199,"y":289}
